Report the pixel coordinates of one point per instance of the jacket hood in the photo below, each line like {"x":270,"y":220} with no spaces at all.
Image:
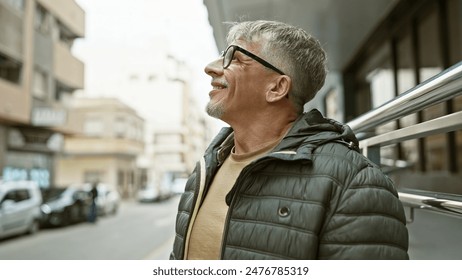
{"x":313,"y":129}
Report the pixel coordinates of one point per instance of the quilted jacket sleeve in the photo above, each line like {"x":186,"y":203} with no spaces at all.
{"x":368,"y":220}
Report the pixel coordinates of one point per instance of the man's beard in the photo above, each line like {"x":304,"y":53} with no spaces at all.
{"x":215,"y":110}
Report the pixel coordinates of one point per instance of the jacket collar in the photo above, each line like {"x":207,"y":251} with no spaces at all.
{"x":313,"y":129}
{"x":309,"y":131}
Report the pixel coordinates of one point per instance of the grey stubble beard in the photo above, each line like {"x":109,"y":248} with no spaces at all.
{"x":215,"y":110}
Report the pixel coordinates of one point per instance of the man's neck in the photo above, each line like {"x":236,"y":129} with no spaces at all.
{"x":252,"y":136}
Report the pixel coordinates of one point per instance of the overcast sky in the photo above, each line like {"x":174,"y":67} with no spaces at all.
{"x":121,"y":31}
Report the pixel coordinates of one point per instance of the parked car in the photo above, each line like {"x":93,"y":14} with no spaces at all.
{"x":148,"y":193}
{"x":65,"y":206}
{"x":153,"y":193}
{"x":108,"y":201}
{"x":178,"y":185}
{"x":19,"y":208}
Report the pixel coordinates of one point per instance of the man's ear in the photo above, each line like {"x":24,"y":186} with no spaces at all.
{"x":279,"y":88}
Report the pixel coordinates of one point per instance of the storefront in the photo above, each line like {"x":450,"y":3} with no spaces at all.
{"x":29,"y":154}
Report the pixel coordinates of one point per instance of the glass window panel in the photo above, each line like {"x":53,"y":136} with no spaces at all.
{"x":375,"y":86}
{"x":28,"y":166}
{"x":406,"y":79}
{"x":40,"y":84}
{"x":42,"y":20}
{"x":427,"y":168}
{"x":406,"y":74}
{"x":363,"y":99}
{"x":435,"y":148}
{"x":457,"y":103}
{"x":430,"y":60}
{"x":455,"y":30}
{"x":380,"y":78}
{"x":375,"y":81}
{"x":10,"y":69}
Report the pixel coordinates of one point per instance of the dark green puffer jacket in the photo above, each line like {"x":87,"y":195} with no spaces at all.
{"x":313,"y":197}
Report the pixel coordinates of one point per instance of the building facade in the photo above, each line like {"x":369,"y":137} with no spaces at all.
{"x":106,"y":149}
{"x":38,"y":75}
{"x":177,"y":147}
{"x":415,"y":42}
{"x":159,"y":86}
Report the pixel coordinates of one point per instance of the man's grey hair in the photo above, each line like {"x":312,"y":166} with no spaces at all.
{"x":289,"y":48}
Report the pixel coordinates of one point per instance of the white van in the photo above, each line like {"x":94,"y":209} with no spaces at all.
{"x":19,"y":208}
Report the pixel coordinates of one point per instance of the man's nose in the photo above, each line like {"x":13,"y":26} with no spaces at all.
{"x":214,"y":68}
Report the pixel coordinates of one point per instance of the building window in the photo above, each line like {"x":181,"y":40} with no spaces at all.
{"x":63,"y":94}
{"x":374,"y":80}
{"x":404,"y":52}
{"x":10,"y":69}
{"x":28,"y":166}
{"x":42,"y":20}
{"x":93,"y":127}
{"x":40,"y":84}
{"x":455,"y":31}
{"x":120,"y":127}
{"x":65,"y":35}
{"x":376,"y":86}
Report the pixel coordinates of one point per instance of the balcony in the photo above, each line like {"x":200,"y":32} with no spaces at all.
{"x":102,"y":146}
{"x":68,"y":69}
{"x":69,"y":13}
{"x":15,"y":104}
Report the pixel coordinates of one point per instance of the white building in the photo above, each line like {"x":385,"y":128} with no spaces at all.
{"x":158,"y":86}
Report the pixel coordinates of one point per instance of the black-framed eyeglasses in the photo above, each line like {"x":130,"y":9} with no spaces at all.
{"x":228,"y":56}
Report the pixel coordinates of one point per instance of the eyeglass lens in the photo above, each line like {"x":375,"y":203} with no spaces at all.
{"x":228,"y":56}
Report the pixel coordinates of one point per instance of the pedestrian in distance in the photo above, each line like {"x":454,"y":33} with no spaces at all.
{"x":282,"y":183}
{"x":93,"y":214}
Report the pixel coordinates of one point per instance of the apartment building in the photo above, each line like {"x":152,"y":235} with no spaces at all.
{"x":38,"y":75}
{"x":176,"y":148}
{"x":160,"y":88}
{"x":106,"y":149}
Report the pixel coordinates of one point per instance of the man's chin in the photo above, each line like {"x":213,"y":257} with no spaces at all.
{"x":215,"y":110}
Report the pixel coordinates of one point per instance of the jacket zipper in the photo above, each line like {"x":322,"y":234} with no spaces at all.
{"x":247,"y":170}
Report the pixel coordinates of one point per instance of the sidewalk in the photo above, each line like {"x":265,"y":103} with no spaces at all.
{"x":162,"y":252}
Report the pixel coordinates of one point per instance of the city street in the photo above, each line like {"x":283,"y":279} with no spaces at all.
{"x":138,"y":231}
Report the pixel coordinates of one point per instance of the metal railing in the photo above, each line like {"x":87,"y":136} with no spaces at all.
{"x":444,"y":86}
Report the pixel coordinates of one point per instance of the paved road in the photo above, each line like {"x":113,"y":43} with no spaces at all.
{"x":138,"y":231}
